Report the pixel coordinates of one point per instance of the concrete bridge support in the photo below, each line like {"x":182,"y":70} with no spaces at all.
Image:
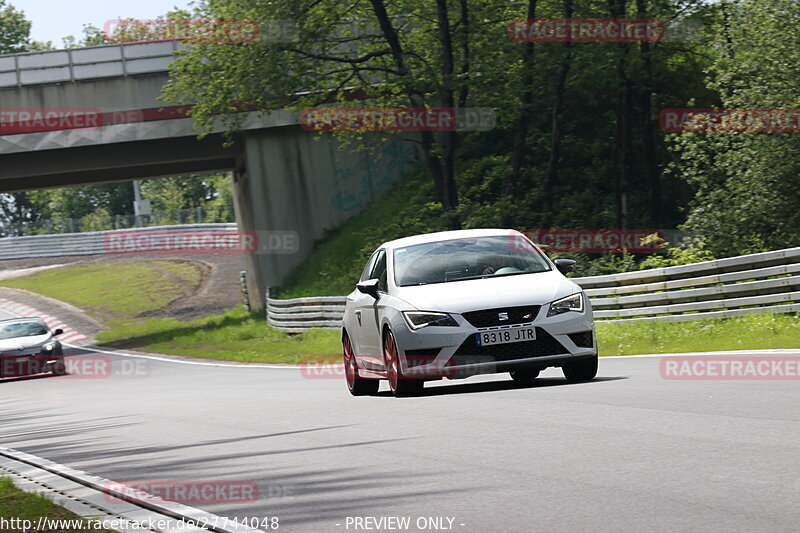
{"x":295,"y":186}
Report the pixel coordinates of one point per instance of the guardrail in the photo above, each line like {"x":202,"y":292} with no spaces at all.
{"x":89,"y":243}
{"x":757,"y":283}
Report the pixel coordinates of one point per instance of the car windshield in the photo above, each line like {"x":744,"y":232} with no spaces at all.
{"x":470,"y":258}
{"x":22,"y":329}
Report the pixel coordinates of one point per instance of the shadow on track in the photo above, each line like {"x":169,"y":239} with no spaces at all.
{"x":495,"y":386}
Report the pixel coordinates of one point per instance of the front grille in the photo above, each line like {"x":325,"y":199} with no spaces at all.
{"x":544,"y":344}
{"x":582,"y":339}
{"x":487,"y":318}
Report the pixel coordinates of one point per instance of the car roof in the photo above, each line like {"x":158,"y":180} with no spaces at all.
{"x":23,"y":319}
{"x":448,"y":235}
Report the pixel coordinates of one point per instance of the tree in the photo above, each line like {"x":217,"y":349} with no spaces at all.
{"x":747,"y":184}
{"x":15,"y":30}
{"x":92,"y":36}
{"x":407,"y":53}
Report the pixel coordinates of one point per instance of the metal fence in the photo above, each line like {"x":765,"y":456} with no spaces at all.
{"x":89,"y":243}
{"x":757,"y":283}
{"x":196,"y":215}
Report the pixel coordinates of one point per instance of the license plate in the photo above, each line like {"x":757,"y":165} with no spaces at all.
{"x":505,"y":336}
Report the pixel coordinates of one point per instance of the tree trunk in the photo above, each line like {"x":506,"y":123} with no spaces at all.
{"x":552,"y":176}
{"x":621,"y":152}
{"x":464,"y":58}
{"x":440,"y":168}
{"x":525,"y":113}
{"x":645,"y":95}
{"x":448,"y":139}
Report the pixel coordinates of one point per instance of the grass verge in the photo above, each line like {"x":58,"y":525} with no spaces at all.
{"x":114,"y":290}
{"x":16,"y":503}
{"x":750,"y":332}
{"x":233,"y":336}
{"x":239,"y":336}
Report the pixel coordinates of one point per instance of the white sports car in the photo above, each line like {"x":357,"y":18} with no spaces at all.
{"x":458,"y":303}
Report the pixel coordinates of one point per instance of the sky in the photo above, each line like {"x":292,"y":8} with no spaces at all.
{"x":55,"y":19}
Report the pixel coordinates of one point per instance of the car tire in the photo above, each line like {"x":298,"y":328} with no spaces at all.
{"x":399,"y":385}
{"x":357,"y":386}
{"x":524,"y":376}
{"x":59,"y":368}
{"x":583,"y":370}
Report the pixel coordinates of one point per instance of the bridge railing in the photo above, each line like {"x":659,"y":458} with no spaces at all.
{"x":75,"y":64}
{"x":766,"y":282}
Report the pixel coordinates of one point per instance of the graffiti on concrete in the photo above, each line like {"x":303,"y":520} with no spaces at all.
{"x":371,"y":175}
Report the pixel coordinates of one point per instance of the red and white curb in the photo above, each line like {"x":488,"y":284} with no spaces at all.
{"x":69,"y":335}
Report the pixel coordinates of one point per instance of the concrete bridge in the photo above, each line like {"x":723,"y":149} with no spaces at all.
{"x":99,"y":121}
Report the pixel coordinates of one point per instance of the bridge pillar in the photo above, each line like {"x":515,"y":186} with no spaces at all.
{"x":293,"y":187}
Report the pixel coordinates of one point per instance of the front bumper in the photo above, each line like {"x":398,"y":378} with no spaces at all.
{"x":15,"y":365}
{"x":435,"y":352}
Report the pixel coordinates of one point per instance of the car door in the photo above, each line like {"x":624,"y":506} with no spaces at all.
{"x":370,"y":354}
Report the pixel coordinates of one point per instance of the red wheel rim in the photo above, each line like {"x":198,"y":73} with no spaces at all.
{"x":392,"y":363}
{"x":349,"y":363}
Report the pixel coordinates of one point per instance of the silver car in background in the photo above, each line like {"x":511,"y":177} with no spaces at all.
{"x":458,"y":303}
{"x":27,"y":346}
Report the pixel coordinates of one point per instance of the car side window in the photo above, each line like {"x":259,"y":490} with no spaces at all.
{"x":379,"y":271}
{"x":368,"y":268}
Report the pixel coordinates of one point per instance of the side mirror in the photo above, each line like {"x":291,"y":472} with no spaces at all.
{"x":58,"y":332}
{"x":565,"y":265}
{"x":369,"y":286}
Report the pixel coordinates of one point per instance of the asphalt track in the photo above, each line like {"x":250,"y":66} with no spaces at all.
{"x":629,"y":451}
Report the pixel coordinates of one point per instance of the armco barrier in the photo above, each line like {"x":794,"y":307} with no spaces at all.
{"x":766,"y":282}
{"x":90,"y":243}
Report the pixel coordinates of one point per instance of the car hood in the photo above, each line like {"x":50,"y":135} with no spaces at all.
{"x":24,"y":342}
{"x":489,"y":293}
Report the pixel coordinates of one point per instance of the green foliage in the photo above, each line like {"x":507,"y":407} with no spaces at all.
{"x":690,"y":250}
{"x":747,"y":185}
{"x":14,"y":29}
{"x":339,"y":258}
{"x":92,"y":36}
{"x":15,"y":503}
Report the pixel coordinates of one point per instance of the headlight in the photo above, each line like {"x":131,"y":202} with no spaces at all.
{"x":421,"y":319}
{"x":49,"y":347}
{"x":573,"y":302}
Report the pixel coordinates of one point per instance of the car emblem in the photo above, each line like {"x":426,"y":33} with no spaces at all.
{"x":528,"y":316}
{"x":502,"y":316}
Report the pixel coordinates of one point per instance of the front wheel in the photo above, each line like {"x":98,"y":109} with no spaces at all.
{"x":59,"y":368}
{"x":356,"y":385}
{"x":399,"y":385}
{"x":583,"y":370}
{"x":524,"y":376}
